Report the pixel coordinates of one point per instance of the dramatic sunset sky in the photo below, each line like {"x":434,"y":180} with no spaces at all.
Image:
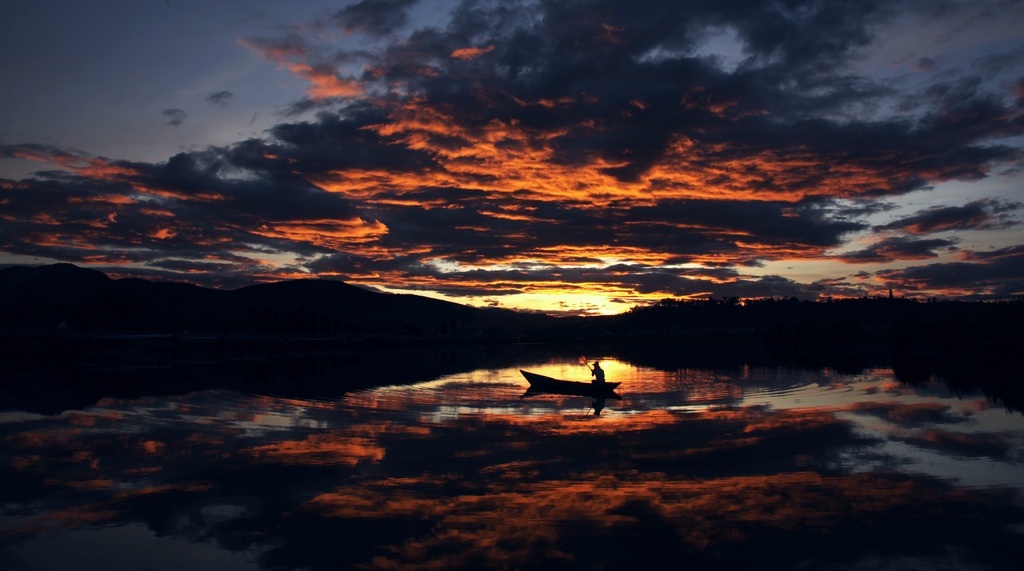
{"x":580,"y":156}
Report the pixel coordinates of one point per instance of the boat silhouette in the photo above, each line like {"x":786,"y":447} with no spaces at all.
{"x":543,"y":384}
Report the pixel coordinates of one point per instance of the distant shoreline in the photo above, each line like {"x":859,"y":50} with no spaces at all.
{"x":66,"y":327}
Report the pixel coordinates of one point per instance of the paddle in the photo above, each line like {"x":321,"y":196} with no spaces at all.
{"x":583,"y":360}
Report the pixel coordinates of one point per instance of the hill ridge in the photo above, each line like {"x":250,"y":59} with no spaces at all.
{"x":86,"y":299}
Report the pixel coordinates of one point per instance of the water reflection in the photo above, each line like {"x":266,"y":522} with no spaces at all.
{"x":748,"y":467}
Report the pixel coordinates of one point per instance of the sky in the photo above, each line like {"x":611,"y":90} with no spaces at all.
{"x":562,"y":156}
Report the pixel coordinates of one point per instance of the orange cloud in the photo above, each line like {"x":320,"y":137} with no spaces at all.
{"x":506,"y":157}
{"x":326,"y":84}
{"x":534,"y":515}
{"x":330,"y":233}
{"x":324,"y":79}
{"x":325,"y":449}
{"x":471,"y":52}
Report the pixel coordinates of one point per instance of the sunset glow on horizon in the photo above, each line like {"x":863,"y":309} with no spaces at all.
{"x":563,"y":157}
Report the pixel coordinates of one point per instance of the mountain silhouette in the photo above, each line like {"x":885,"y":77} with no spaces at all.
{"x":57,"y":283}
{"x":64,"y":295}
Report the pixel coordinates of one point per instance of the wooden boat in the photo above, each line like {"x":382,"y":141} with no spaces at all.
{"x":541,"y":383}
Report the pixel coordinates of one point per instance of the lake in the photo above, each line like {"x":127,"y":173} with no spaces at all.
{"x":745,"y":467}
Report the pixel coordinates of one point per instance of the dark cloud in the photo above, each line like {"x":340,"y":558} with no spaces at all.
{"x":807,"y":224}
{"x":298,"y":107}
{"x":1010,"y":251}
{"x":984,"y":214}
{"x":993,"y":64}
{"x":996,"y":274}
{"x":220,"y":98}
{"x":804,"y":34}
{"x":374,"y":17}
{"x":175,"y":117}
{"x":203,"y":180}
{"x":913,"y":415}
{"x":336,"y":142}
{"x":860,"y":208}
{"x":897,"y":248}
{"x":46,"y":154}
{"x":193,"y":207}
{"x":991,"y":445}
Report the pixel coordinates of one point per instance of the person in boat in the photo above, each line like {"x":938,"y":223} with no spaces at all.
{"x":598,"y":373}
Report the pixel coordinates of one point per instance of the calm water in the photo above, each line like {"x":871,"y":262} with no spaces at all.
{"x":739,"y":468}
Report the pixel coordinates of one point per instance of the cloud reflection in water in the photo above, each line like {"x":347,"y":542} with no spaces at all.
{"x":767,"y":468}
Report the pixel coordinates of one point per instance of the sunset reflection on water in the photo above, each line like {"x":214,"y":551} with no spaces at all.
{"x":746,"y":467}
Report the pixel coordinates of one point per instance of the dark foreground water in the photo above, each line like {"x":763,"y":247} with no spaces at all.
{"x":743,"y":468}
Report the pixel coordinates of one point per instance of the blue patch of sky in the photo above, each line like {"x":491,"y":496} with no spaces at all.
{"x":96,"y":76}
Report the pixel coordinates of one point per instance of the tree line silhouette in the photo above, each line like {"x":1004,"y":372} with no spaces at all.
{"x":66,"y":310}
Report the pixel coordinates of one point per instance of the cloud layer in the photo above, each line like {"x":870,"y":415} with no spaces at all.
{"x":564,"y":147}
